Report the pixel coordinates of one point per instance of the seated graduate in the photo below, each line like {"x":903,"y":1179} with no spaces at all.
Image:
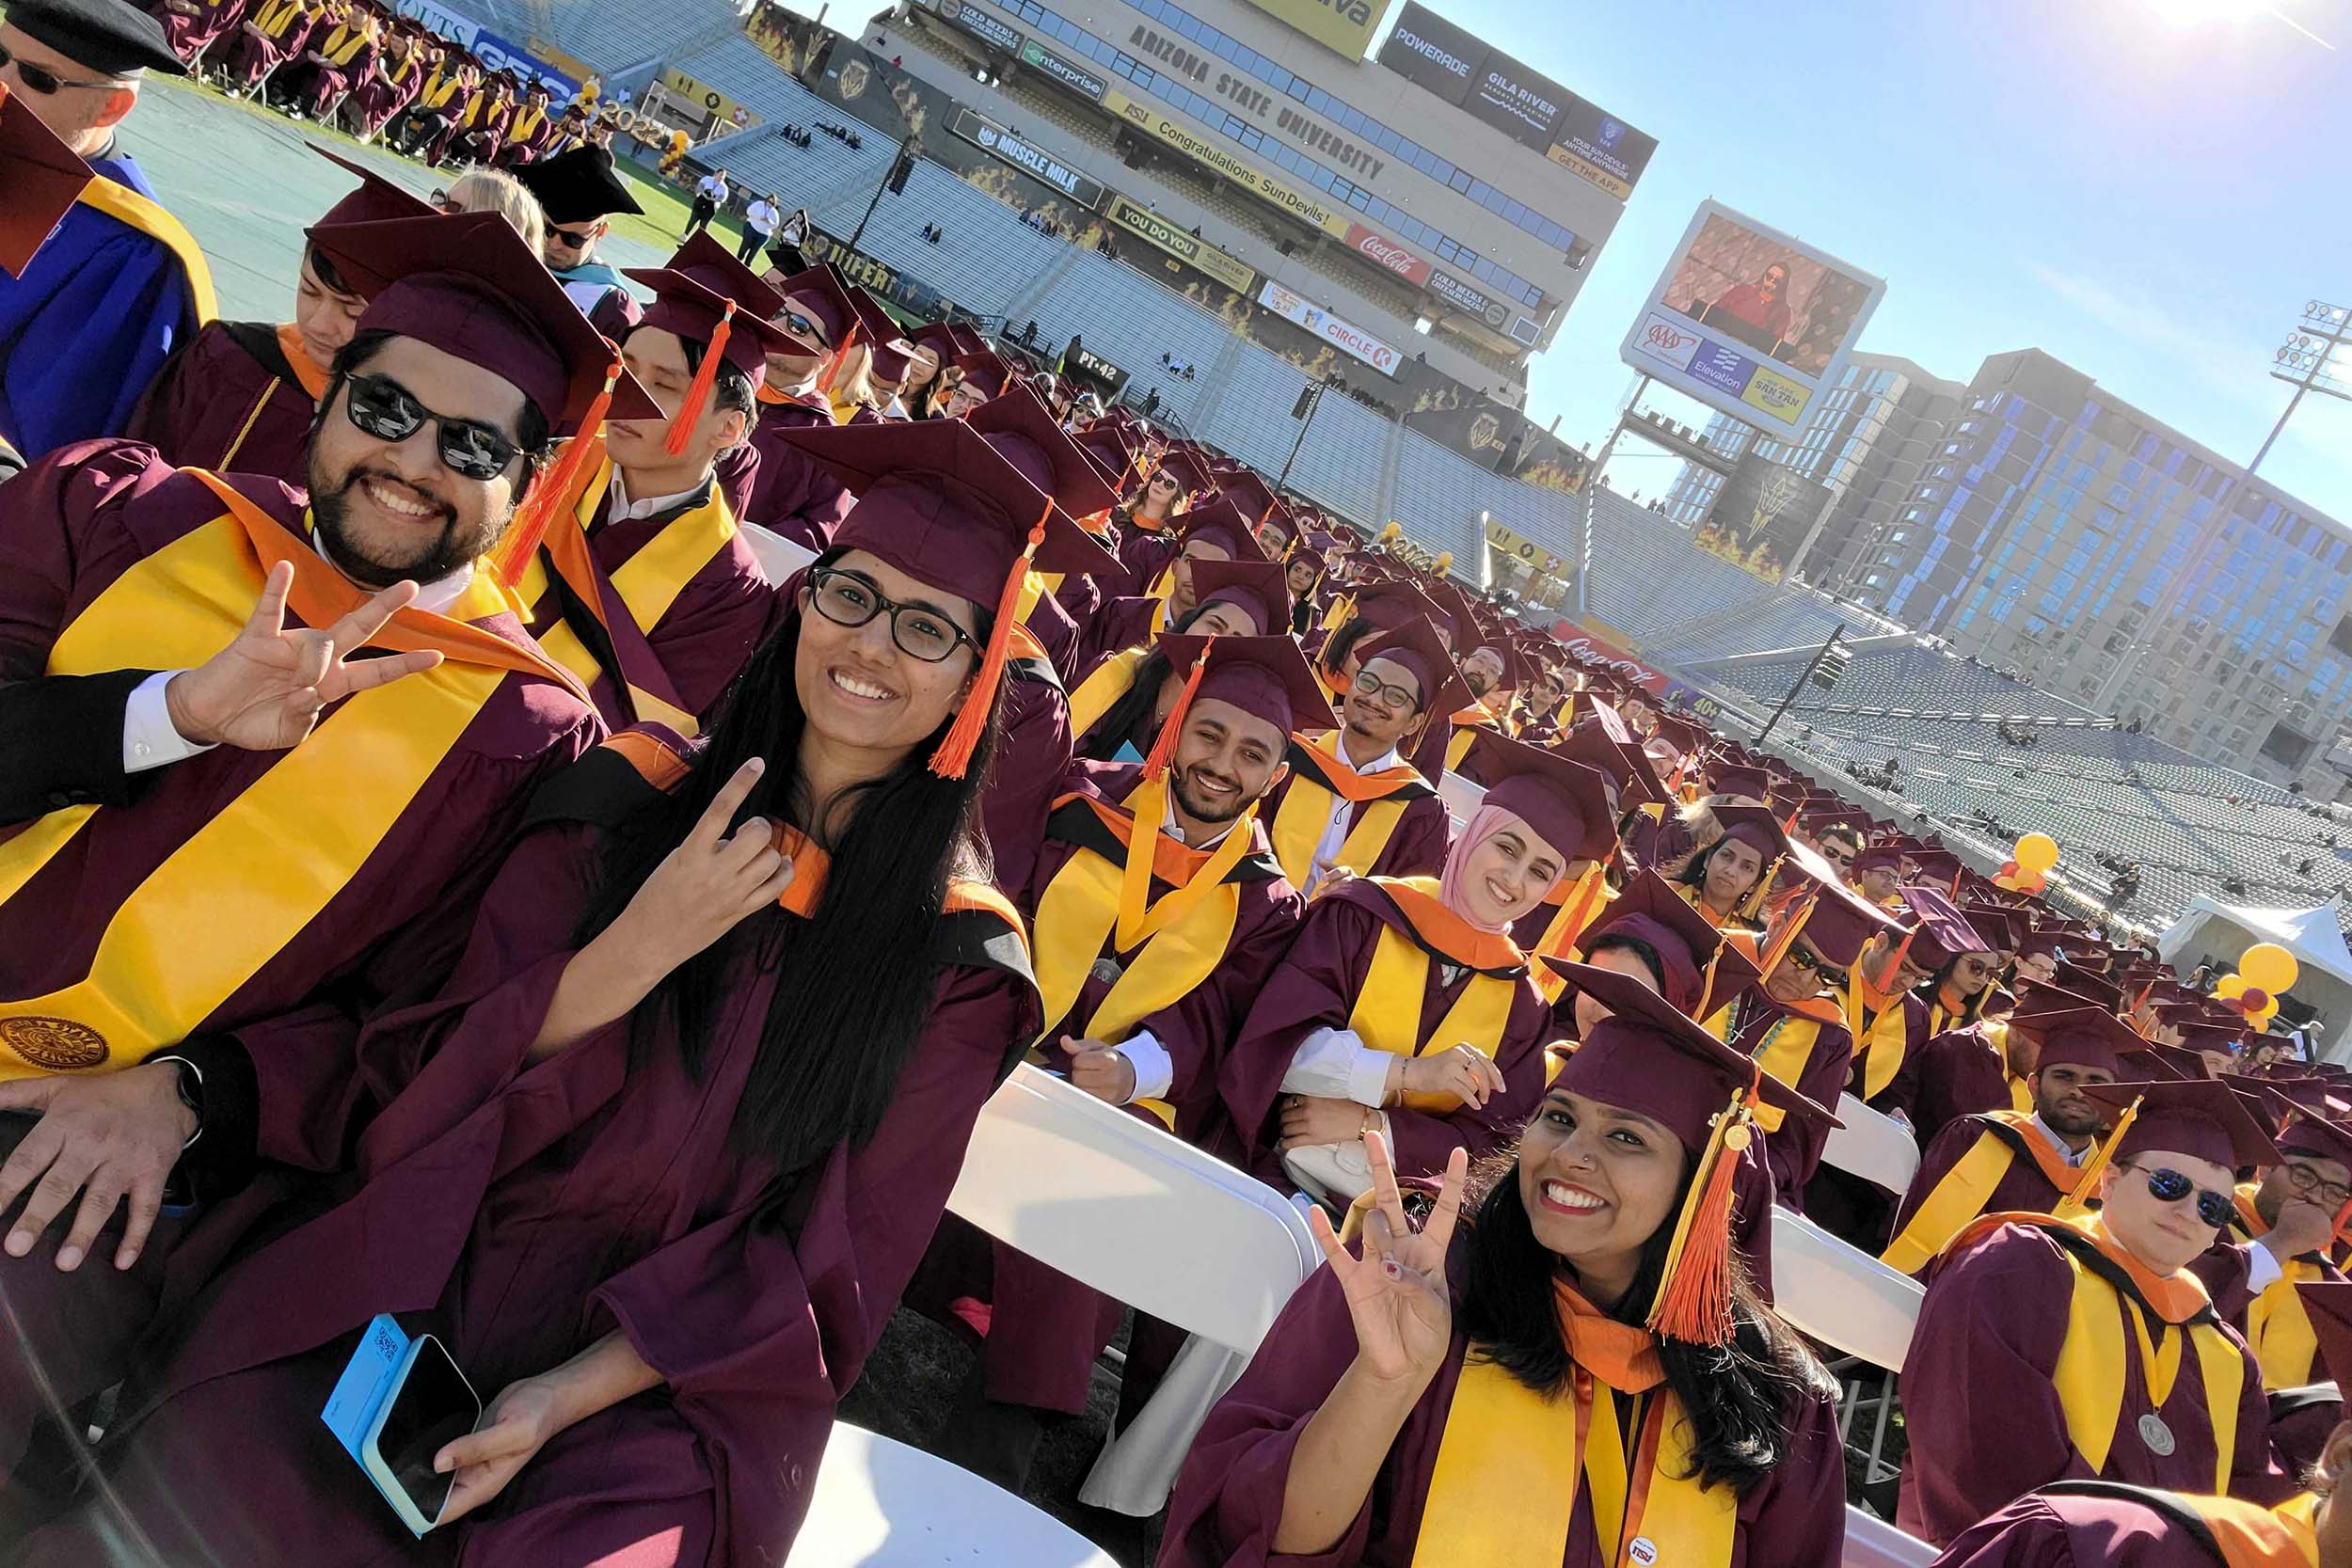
{"x":628,"y":1168}
{"x":1215,"y":530}
{"x":1403,"y":1007}
{"x":1674,"y":835}
{"x":1147,"y":522}
{"x":1354,"y":803}
{"x":1371,"y":610}
{"x":2293,"y":1229}
{"x":767,"y":477}
{"x":1726,"y":879}
{"x":1602,"y":743}
{"x":2057,"y":1348}
{"x":1117,"y":712}
{"x":1877,"y":873}
{"x":1890,"y":979}
{"x":2108,"y":1524}
{"x":2006,"y":1161}
{"x":1965,"y":1065}
{"x":1583,"y":1376}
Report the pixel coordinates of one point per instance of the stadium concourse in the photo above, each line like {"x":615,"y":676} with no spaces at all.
{"x":593,"y":942}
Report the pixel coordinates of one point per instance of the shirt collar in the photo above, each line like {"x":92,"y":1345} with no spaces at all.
{"x":625,"y":509}
{"x":2070,"y":1155}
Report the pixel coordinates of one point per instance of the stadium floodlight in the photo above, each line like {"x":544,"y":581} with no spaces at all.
{"x":2314,"y":358}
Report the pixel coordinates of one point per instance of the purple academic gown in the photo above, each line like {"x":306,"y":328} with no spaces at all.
{"x":1046,"y":1329}
{"x":1117,"y":626}
{"x":2102,"y":1525}
{"x":228,"y":401}
{"x":1986,"y":1422}
{"x":1959,"y":1074}
{"x":378,"y":97}
{"x":523,"y":1210}
{"x":1142,"y":551}
{"x":1417,"y":845}
{"x":1794,"y":1151}
{"x":1228,"y":1497}
{"x":1026,"y":768}
{"x":68,"y":530}
{"x":790,"y":494}
{"x":1316,"y":986}
{"x":2022,"y":1189}
{"x":191,"y":32}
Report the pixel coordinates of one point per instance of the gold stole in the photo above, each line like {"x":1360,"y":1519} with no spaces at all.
{"x":1306,"y":811}
{"x":1387,"y":1016}
{"x":234,"y":894}
{"x":1175,"y":943}
{"x":343,"y":44}
{"x":133,"y":211}
{"x":1885,"y":1044}
{"x":2280,"y":1330}
{"x":1457,"y":746}
{"x":648,"y":582}
{"x":1503,"y":1492}
{"x":2252,"y":1536}
{"x":440,"y":91}
{"x":2089,"y":1372}
{"x":1784,"y":1051}
{"x":1100,"y":692}
{"x":1961,"y":1196}
{"x":278,"y":16}
{"x":527,"y":122}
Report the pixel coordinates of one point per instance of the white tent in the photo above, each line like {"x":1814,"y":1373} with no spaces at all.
{"x":2217,"y":933}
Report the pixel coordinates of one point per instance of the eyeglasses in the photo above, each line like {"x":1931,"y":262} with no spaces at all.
{"x":2166,"y":1185}
{"x":800,"y":326}
{"x":577,"y":239}
{"x":2307,"y":1181}
{"x":920,"y":631}
{"x":443,"y":203}
{"x":1369,"y":685}
{"x":1813,"y":963}
{"x":379,"y":406}
{"x":44,"y":81}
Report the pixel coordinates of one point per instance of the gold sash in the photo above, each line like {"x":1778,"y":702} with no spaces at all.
{"x":2280,"y":1330}
{"x":1784,"y":1051}
{"x":2089,"y":1372}
{"x":1100,"y":692}
{"x":248,"y":880}
{"x":1961,"y":1196}
{"x":133,"y":211}
{"x":1885,"y":1043}
{"x":1387,"y":1016}
{"x":1299,"y":823}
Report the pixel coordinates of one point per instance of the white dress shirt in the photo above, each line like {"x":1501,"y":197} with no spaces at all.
{"x":623,"y":509}
{"x":1334,"y":837}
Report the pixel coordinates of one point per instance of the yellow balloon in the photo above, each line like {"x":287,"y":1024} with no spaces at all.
{"x":2270,"y":1010}
{"x":2261,"y":1025}
{"x":2269,"y":966}
{"x":2230,"y":986}
{"x":2035,"y":852}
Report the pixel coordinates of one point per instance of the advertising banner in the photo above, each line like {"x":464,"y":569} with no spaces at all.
{"x":1343,"y":25}
{"x":1197,"y":254}
{"x":1595,"y":643}
{"x":993,"y":138}
{"x":1599,"y":148}
{"x":1761,"y":515}
{"x":1384,"y":253}
{"x":1076,"y":78}
{"x":1749,"y":321}
{"x":1430,"y":52}
{"x":1521,"y":104}
{"x":1496,"y":436}
{"x":1312,"y":211}
{"x":883,"y":280}
{"x":1468,"y":298}
{"x":982,"y":25}
{"x":1349,"y":340}
{"x":497,"y":53}
{"x":720,"y":113}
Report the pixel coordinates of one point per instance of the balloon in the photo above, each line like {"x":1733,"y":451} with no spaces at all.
{"x":2229,"y":986}
{"x":2269,"y":966}
{"x":2267,"y":1011}
{"x":2254,"y":999}
{"x":2036,"y":852}
{"x":2262,"y":1026}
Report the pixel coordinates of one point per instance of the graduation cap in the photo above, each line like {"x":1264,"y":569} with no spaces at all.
{"x":1648,"y":1057}
{"x":938,"y":502}
{"x":1704,"y":974}
{"x":2202,"y":1119}
{"x":2042,"y":943}
{"x":1564,"y":802}
{"x":1025,"y":432}
{"x":41,"y":180}
{"x":1190,"y":476}
{"x":730,"y":330}
{"x":1756,"y":828}
{"x":880,"y":330}
{"x":1391,"y":604}
{"x":578,"y":185}
{"x":1415,"y":648}
{"x":1266,"y":677}
{"x":2076,"y":1031}
{"x":1749,"y":783}
{"x":944,"y":338}
{"x":2314,"y":1137}
{"x":2084,"y":982}
{"x":1879,"y":857}
{"x":1601,"y":740}
{"x":1835,"y":919}
{"x":109,"y":38}
{"x":1845,"y":822}
{"x":985,"y":369}
{"x":1220,"y":524}
{"x":819,"y":294}
{"x":1113,"y":458}
{"x":1257,"y":587}
{"x":377,"y":199}
{"x":1940,"y":932}
{"x":1999,"y":925}
{"x":2327,"y":1303}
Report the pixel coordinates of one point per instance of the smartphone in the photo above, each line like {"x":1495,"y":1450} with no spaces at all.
{"x":431,"y":1406}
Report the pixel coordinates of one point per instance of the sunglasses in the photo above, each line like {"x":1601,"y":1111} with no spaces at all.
{"x":2166,"y":1185}
{"x":44,"y":81}
{"x":800,"y":326}
{"x":382,"y":408}
{"x":1812,"y":963}
{"x":577,"y":239}
{"x":920,"y":631}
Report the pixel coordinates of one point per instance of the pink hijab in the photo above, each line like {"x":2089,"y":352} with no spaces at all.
{"x":1484,"y":824}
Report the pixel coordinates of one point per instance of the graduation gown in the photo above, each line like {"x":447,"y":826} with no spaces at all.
{"x":1807,"y":1048}
{"x":789,"y":493}
{"x":239,"y":397}
{"x":102,"y":304}
{"x":2103,"y":1523}
{"x":756,"y":1293}
{"x":2278,"y":1331}
{"x":1961,"y":1072}
{"x":1322,"y":983}
{"x":191,"y":31}
{"x":2012,"y":1168}
{"x":1130,"y":621}
{"x":1412,"y":844}
{"x":1980,"y":1393}
{"x":1032,"y":754}
{"x":1144,"y":549}
{"x":427,"y":777}
{"x":1228,"y":1497}
{"x":385,"y":91}
{"x":605,"y":300}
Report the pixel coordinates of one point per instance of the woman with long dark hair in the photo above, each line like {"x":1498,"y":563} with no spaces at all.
{"x":658,"y":1162}
{"x":1582,"y":1376}
{"x":1726,"y":880}
{"x":1119,"y":706}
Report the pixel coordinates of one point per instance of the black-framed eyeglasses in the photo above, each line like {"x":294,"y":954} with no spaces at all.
{"x":2166,"y":1185}
{"x":1369,"y":685}
{"x":2308,"y":1183}
{"x":577,"y":239}
{"x":800,"y":326}
{"x":920,"y":631}
{"x":445,"y":204}
{"x":1812,"y":963}
{"x":379,"y":406}
{"x":43,"y":80}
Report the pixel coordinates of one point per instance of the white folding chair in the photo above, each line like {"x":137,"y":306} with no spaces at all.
{"x":1872,"y":1542}
{"x":881,"y":1504}
{"x":1839,"y":1295}
{"x":1873,"y":1146}
{"x":1460,"y":796}
{"x":777,"y":556}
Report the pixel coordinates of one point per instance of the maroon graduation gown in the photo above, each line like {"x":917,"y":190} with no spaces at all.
{"x":1961,"y":1074}
{"x":1229,"y":1498}
{"x":228,"y":401}
{"x":69,"y":529}
{"x":790,"y":494}
{"x":1986,"y":1422}
{"x":1316,"y":986}
{"x":2022,"y":1189}
{"x":2300,"y":1422}
{"x":2091,"y":1524}
{"x":1143,"y":551}
{"x":1118,"y":624}
{"x":1025,"y":771}
{"x":523,"y":1210}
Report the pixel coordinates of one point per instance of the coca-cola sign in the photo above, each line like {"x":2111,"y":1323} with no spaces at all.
{"x":1382,"y":251}
{"x":1588,"y":649}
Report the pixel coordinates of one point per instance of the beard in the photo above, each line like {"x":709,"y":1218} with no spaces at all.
{"x":453,"y":547}
{"x":1478,"y":681}
{"x":1187,"y":798}
{"x":2073,"y":1123}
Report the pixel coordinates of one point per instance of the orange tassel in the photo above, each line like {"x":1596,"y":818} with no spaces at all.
{"x":1695,"y":1305}
{"x":689,"y":413}
{"x":1164,"y":745}
{"x":832,"y":373}
{"x":964,"y":737}
{"x":557,"y":488}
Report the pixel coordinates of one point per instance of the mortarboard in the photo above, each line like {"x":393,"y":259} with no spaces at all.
{"x":2314,"y":1136}
{"x":1112,"y":456}
{"x":1940,"y":932}
{"x":1390,"y":604}
{"x":1415,"y":648}
{"x":1220,"y":524}
{"x":2327,"y":1303}
{"x":1756,"y":828}
{"x":109,"y":38}
{"x":2080,"y":1033}
{"x":1266,"y":677}
{"x":1255,"y":586}
{"x":1879,"y":857}
{"x":375,"y":199}
{"x":2203,"y":1119}
{"x":578,"y":185}
{"x":1600,"y":740}
{"x":1564,"y":802}
{"x":1702,"y":972}
{"x":1748,"y":782}
{"x":41,"y":180}
{"x":985,"y":369}
{"x":1025,"y":432}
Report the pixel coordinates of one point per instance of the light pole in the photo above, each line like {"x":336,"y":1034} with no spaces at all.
{"x":1309,"y":399}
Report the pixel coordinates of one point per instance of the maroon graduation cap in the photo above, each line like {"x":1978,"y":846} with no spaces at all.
{"x":1416,"y":649}
{"x":1702,"y":972}
{"x":2203,"y":1119}
{"x":1566,"y":802}
{"x":1266,"y":677}
{"x":1257,"y":587}
{"x":377,"y":199}
{"x":819,"y":294}
{"x":41,"y":180}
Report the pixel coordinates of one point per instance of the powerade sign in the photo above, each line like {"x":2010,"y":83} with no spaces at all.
{"x":497,"y":53}
{"x":1428,"y":51}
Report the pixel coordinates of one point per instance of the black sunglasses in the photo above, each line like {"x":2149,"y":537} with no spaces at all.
{"x":379,"y":406}
{"x":42,"y":79}
{"x":920,"y":631}
{"x":577,"y":239}
{"x":2166,"y":1185}
{"x":800,"y":326}
{"x":1813,"y":963}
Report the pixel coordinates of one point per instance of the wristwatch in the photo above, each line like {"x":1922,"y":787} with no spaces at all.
{"x":190,"y":1082}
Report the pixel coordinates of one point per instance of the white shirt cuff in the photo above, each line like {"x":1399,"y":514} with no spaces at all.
{"x":2263,"y":1270}
{"x":1155,"y":1070}
{"x":1336,"y":1064}
{"x":149,"y":739}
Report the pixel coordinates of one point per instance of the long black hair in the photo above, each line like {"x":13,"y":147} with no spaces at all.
{"x":1132,"y":714}
{"x":1739,"y":1398}
{"x":1930,"y":990}
{"x":1342,"y":642}
{"x":1626,"y":941}
{"x":853,"y":981}
{"x":1692,"y":870}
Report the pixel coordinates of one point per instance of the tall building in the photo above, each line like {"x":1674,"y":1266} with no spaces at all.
{"x":2063,"y":534}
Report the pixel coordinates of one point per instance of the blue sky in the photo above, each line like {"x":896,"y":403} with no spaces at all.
{"x":2140,"y":188}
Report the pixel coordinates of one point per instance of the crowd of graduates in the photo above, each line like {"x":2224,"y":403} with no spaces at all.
{"x":543,"y":802}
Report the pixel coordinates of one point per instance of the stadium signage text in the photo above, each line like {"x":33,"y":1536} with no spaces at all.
{"x":1197,"y":146}
{"x":1469,"y":300}
{"x":1205,"y":258}
{"x":1344,"y":26}
{"x":1384,"y":253}
{"x":1345,"y":336}
{"x":996,"y":141}
{"x":982,"y":25}
{"x":1168,"y":53}
{"x":1071,"y":76}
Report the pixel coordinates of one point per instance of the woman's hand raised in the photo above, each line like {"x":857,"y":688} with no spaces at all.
{"x":713,"y":880}
{"x":1396,"y":1292}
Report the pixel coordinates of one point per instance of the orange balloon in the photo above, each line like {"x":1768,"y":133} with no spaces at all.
{"x":2270,"y":966}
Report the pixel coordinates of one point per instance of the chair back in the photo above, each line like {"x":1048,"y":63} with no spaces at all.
{"x":1840,"y":1296}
